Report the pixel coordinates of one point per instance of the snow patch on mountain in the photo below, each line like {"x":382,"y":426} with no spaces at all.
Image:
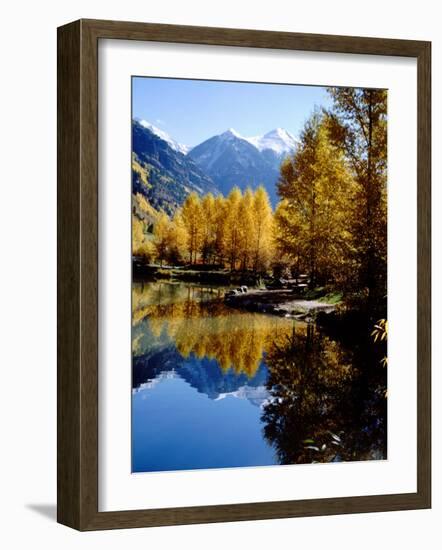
{"x":279,"y":140}
{"x":232,"y":132}
{"x":184,"y":149}
{"x":258,"y":395}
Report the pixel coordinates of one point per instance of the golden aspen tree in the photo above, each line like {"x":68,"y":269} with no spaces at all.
{"x":287,"y":231}
{"x":192,"y":218}
{"x":262,"y":234}
{"x":336,"y":193}
{"x":137,"y":235}
{"x":208,"y":233}
{"x":246,"y":229}
{"x":220,"y":229}
{"x":141,"y":245}
{"x":161,"y":232}
{"x":297,"y":186}
{"x":358,"y":124}
{"x":178,"y":238}
{"x":314,"y":220}
{"x":233,"y":202}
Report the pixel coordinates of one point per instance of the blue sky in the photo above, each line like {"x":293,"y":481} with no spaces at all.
{"x":191,"y":111}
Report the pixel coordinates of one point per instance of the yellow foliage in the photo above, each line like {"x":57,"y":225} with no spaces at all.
{"x":142,"y":172}
{"x":262,"y":230}
{"x":141,"y":245}
{"x":144,"y":206}
{"x":192,"y":217}
{"x":235,"y":230}
{"x":208,"y":328}
{"x":313,"y":222}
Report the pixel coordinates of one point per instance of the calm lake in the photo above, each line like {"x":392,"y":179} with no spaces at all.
{"x":214,"y":387}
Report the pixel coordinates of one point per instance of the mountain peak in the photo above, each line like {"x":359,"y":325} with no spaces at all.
{"x":280,"y":132}
{"x":278,"y":140}
{"x":184,"y":149}
{"x":232,"y":132}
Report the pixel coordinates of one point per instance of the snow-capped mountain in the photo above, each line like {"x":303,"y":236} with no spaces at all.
{"x":209,"y":152}
{"x":279,"y":140}
{"x":225,"y":160}
{"x":170,"y":175}
{"x":231,"y":159}
{"x":184,"y":149}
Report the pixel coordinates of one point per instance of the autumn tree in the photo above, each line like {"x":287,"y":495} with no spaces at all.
{"x":313,"y":220}
{"x":161,"y":234}
{"x":246,"y":228}
{"x":261,"y":238}
{"x":208,"y":227}
{"x":143,"y":216}
{"x":178,"y":238}
{"x":141,"y":245}
{"x":220,"y":216}
{"x":192,"y":219}
{"x":289,"y":231}
{"x":234,"y":230}
{"x":357,"y":124}
{"x":232,"y":233}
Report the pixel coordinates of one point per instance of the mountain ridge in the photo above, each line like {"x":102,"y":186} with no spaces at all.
{"x":279,"y":140}
{"x":162,"y":174}
{"x":184,"y":149}
{"x":233,"y":160}
{"x":217,"y":164}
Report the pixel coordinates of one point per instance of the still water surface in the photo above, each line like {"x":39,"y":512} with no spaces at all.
{"x":215,"y":387}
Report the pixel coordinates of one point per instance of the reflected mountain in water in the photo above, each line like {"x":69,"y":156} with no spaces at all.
{"x":205,"y":375}
{"x":215,"y":387}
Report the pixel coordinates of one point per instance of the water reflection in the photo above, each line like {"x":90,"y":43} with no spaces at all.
{"x":327,"y":403}
{"x":196,"y":321}
{"x":215,"y":387}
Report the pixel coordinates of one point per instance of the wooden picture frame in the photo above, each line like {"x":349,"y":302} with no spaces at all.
{"x":78,"y":274}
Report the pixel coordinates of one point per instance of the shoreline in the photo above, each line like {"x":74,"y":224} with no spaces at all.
{"x":284,"y":303}
{"x":187,"y":274}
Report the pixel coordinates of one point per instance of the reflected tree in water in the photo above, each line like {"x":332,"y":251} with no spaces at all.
{"x":327,"y":403}
{"x":327,"y":395}
{"x":207,"y":328}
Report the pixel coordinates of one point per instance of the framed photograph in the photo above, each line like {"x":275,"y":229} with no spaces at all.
{"x":243,"y":275}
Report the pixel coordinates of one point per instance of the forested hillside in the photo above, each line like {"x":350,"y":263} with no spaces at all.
{"x":162,"y":174}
